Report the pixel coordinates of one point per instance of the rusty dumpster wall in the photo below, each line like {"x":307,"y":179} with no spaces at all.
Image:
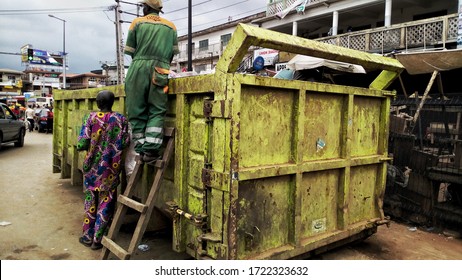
{"x":70,"y":107}
{"x":272,"y":169}
{"x":289,"y":165}
{"x":264,"y":168}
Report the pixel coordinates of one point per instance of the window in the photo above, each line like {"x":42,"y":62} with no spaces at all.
{"x":12,"y":78}
{"x":200,"y":68}
{"x":204,"y":45}
{"x":225,"y":39}
{"x":2,"y":114}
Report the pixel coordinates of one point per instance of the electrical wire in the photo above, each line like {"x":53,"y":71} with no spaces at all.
{"x":54,"y":11}
{"x":211,"y":11}
{"x":219,"y":20}
{"x":185,"y":8}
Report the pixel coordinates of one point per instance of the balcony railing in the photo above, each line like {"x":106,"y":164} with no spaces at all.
{"x":424,"y":34}
{"x":280,"y":5}
{"x":213,"y":50}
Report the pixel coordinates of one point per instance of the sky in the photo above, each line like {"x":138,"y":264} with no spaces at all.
{"x":90,"y":38}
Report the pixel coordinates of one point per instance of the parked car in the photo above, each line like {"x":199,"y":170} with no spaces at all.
{"x":43,"y":117}
{"x":12,"y":129}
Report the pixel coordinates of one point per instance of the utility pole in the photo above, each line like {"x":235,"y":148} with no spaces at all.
{"x":119,"y":46}
{"x":64,"y":49}
{"x":189,"y":35}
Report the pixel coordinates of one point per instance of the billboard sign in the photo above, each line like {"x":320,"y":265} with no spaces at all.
{"x":269,"y":55}
{"x":41,"y":57}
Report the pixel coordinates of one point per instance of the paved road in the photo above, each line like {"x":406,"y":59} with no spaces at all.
{"x":45,"y":215}
{"x":45,"y":211}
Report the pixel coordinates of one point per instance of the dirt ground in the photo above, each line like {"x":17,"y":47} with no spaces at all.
{"x":40,"y":219}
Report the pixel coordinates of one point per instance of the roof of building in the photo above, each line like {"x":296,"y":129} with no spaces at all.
{"x":70,"y":76}
{"x":11,"y":71}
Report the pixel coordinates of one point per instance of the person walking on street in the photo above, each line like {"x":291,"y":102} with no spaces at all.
{"x":30,"y":117}
{"x":152,"y":42}
{"x":50,"y":117}
{"x":104,"y":135}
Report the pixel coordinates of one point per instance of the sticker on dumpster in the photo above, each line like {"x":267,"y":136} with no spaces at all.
{"x":320,"y":144}
{"x":319,"y":225}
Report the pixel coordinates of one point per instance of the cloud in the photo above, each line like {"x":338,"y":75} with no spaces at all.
{"x":91,"y":36}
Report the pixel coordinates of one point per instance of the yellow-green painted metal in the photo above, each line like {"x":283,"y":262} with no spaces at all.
{"x":267,"y":168}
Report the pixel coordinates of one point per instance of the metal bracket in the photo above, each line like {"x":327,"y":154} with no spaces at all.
{"x":215,"y":180}
{"x":199,"y":220}
{"x":250,"y":237}
{"x":211,"y":237}
{"x":385,"y":221}
{"x":217,"y":109}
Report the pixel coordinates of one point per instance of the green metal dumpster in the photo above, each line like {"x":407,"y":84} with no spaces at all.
{"x":264,"y":168}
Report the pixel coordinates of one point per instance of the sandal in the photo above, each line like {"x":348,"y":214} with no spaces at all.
{"x":96,"y":246}
{"x":86,"y":242}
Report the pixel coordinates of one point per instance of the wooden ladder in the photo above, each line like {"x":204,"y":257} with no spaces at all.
{"x":126,"y":201}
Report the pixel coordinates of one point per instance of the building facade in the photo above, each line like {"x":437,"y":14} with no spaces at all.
{"x":10,"y":82}
{"x":379,"y":26}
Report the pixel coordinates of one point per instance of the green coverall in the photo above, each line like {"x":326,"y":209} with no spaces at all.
{"x":151,"y":42}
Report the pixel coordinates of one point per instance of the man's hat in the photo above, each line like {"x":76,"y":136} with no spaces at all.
{"x":155,"y":4}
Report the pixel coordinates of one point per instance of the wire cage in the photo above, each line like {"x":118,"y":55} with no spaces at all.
{"x":425,"y":178}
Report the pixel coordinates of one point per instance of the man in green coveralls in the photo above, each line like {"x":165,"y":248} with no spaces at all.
{"x":152,"y":42}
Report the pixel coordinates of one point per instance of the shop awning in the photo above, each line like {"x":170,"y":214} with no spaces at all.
{"x":428,"y":61}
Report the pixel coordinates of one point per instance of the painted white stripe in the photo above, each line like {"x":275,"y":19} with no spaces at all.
{"x":154,"y":129}
{"x":154,"y":140}
{"x":138,"y":135}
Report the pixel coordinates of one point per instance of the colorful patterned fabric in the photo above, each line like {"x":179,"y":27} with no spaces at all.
{"x":104,"y":136}
{"x":99,"y":207}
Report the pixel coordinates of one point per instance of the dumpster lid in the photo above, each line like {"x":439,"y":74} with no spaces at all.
{"x":246,"y":36}
{"x":301,"y":62}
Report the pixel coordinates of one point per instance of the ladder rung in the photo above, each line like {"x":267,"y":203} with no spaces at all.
{"x":145,"y":209}
{"x":169,"y":131}
{"x":140,"y":207}
{"x":158,"y":163}
{"x":115,"y":248}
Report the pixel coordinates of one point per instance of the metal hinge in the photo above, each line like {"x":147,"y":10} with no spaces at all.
{"x":217,"y":109}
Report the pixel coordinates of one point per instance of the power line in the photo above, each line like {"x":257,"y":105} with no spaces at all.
{"x":47,"y":11}
{"x":218,"y":20}
{"x":181,"y":9}
{"x":177,"y":10}
{"x":214,"y":10}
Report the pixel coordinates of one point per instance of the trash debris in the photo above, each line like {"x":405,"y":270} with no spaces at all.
{"x":429,"y":229}
{"x":451,"y":233}
{"x":143,"y":247}
{"x":4,"y":223}
{"x":412,"y":229}
{"x":286,"y":74}
{"x":320,"y":144}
